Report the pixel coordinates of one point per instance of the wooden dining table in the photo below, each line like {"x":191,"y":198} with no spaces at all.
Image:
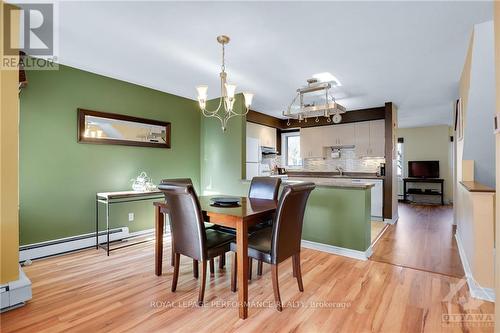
{"x":250,"y":212}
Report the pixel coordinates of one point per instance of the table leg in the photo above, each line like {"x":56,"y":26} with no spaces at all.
{"x":242,"y":262}
{"x":159,"y":220}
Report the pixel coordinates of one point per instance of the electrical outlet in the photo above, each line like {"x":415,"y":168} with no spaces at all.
{"x":131,"y":217}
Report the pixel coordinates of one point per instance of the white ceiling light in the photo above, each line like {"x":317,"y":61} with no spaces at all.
{"x":327,"y":77}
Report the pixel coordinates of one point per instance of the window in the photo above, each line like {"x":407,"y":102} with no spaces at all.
{"x":399,"y":159}
{"x":291,"y":149}
{"x":400,"y":166}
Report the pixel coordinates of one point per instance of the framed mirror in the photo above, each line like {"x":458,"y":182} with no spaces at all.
{"x":116,"y":129}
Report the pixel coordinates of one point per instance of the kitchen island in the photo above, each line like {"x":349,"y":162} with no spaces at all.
{"x":337,"y":217}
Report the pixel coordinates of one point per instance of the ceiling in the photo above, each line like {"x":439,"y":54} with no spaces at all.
{"x":406,"y":52}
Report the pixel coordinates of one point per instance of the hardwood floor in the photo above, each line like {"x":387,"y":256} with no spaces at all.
{"x":423,"y":238}
{"x":89,"y":292}
{"x":376,"y":228}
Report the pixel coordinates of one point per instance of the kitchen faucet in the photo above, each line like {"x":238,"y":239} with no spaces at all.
{"x":340,"y":170}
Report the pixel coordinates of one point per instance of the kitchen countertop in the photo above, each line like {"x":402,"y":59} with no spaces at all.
{"x":329,"y":182}
{"x":473,"y":186}
{"x":326,"y":174}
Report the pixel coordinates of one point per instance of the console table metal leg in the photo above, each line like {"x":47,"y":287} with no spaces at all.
{"x":107,"y":227}
{"x":96,"y":222}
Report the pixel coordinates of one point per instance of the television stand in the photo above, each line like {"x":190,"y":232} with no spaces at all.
{"x":427,"y":181}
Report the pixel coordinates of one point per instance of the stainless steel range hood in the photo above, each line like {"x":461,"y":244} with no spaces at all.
{"x":268,"y":150}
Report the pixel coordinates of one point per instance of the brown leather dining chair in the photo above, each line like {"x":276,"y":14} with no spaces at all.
{"x":188,"y":230}
{"x":188,"y":181}
{"x":282,"y":241}
{"x":264,"y":188}
{"x":260,"y":188}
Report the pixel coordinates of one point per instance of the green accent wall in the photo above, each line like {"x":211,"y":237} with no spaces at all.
{"x":339,"y":217}
{"x":223,"y":153}
{"x":60,"y":177}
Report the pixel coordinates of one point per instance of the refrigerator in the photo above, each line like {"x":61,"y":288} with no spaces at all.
{"x":253,"y":158}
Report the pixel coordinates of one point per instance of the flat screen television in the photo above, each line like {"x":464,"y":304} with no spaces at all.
{"x":423,"y":169}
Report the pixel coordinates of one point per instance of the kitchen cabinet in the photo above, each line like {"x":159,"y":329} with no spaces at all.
{"x":362,"y":145}
{"x":370,"y":138}
{"x":377,"y":196}
{"x":339,"y":135}
{"x":268,"y":136}
{"x":311,"y":142}
{"x":377,"y":138}
{"x":265,"y":134}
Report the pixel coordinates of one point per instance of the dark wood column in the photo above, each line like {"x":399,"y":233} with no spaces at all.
{"x":390,"y":157}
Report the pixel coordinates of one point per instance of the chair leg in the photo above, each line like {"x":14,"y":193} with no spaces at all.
{"x":250,"y":260}
{"x":294,"y":266}
{"x":172,"y":257}
{"x":296,"y":261}
{"x":233,"y":273}
{"x":276,"y":289}
{"x":177,"y":260}
{"x":212,"y":267}
{"x":195,"y":268}
{"x":222,"y":261}
{"x":259,"y":267}
{"x":203,"y":282}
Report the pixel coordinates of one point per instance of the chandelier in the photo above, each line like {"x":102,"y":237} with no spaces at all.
{"x":315,"y":101}
{"x":224,"y":111}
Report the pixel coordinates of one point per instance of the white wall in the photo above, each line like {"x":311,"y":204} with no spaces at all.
{"x":474,"y":211}
{"x":479,"y":141}
{"x":430,"y":144}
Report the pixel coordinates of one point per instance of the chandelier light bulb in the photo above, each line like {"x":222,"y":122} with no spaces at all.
{"x":248,"y":99}
{"x":202,"y":92}
{"x":230,"y":90}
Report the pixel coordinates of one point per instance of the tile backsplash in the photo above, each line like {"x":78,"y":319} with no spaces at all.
{"x":348,"y":161}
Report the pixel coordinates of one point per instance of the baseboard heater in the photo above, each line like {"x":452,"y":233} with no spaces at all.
{"x":69,"y":244}
{"x":15,"y":293}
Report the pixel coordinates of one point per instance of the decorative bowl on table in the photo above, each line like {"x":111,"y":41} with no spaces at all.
{"x":225,"y":201}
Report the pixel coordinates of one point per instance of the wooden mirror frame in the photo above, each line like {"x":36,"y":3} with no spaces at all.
{"x":81,"y":129}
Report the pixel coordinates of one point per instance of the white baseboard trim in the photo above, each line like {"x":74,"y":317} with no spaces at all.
{"x":476,"y":291}
{"x":67,"y":244}
{"x":341,"y":251}
{"x":392,"y":220}
{"x":74,"y":243}
{"x":142,"y":232}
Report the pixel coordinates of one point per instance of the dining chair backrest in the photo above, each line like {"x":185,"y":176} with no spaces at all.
{"x":178,"y":181}
{"x":186,"y":219}
{"x":288,"y":221}
{"x":264,"y":188}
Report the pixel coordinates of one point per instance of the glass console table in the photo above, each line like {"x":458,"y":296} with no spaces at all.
{"x":109,"y":198}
